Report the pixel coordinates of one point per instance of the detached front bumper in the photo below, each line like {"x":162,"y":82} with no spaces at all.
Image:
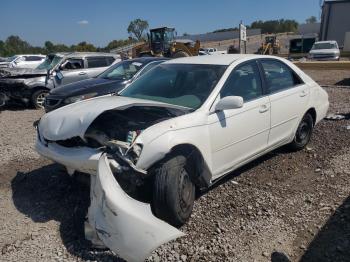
{"x":123,"y":224}
{"x":81,"y":159}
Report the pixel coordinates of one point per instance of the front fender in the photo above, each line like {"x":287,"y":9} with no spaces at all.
{"x":159,"y":147}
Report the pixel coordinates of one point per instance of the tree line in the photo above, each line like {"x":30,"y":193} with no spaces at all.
{"x":15,"y":45}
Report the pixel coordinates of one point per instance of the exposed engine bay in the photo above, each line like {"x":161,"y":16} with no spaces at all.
{"x":115,"y":132}
{"x":126,"y":125}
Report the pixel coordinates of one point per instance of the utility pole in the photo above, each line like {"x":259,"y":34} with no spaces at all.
{"x":242,"y":38}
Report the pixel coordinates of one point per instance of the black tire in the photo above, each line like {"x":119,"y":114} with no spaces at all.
{"x":173,"y":191}
{"x":38,"y":98}
{"x":303,"y":133}
{"x":180,"y":54}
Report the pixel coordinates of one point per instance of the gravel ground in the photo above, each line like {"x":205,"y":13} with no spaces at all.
{"x":283,"y":204}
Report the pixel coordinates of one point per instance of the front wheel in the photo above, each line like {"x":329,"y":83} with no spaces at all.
{"x":180,"y":54}
{"x":38,"y":98}
{"x":303,"y":133}
{"x":173,"y":191}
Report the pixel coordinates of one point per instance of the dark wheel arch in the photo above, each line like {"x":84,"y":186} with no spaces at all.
{"x":201,"y":176}
{"x":303,"y":133}
{"x":313,"y":113}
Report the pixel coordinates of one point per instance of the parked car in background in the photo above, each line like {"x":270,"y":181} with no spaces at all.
{"x":23,"y":61}
{"x":210,"y":51}
{"x":325,"y":50}
{"x":30,"y":86}
{"x":114,"y":79}
{"x":202,"y":52}
{"x":179,"y":128}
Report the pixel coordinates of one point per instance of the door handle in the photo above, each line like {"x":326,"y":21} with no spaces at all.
{"x":303,"y":93}
{"x":264,"y":108}
{"x":82,"y":73}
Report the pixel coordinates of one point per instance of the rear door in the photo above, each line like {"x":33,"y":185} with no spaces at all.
{"x":288,"y":96}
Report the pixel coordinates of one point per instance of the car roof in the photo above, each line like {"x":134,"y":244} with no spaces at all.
{"x":84,"y":54}
{"x":220,"y":59}
{"x":148,"y":59}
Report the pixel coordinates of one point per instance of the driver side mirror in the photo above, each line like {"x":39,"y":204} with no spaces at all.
{"x":229,"y":102}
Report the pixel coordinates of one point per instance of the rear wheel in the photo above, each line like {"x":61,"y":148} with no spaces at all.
{"x":303,"y":133}
{"x":173,"y":192}
{"x":180,"y":54}
{"x":38,"y":98}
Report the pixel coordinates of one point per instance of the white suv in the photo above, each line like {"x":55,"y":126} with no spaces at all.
{"x":23,"y":61}
{"x":325,"y":50}
{"x":177,"y":129}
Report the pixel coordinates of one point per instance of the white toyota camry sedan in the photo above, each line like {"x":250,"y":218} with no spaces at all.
{"x":177,"y":129}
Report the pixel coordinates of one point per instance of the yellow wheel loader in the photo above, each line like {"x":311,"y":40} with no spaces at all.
{"x":162,"y":42}
{"x":271,"y":46}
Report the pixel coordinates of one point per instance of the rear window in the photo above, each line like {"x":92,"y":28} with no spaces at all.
{"x":94,"y":62}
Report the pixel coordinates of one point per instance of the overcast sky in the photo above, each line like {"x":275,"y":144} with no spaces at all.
{"x":98,"y":22}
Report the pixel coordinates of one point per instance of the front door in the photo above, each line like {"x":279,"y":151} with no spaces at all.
{"x":73,"y":70}
{"x":239,"y":134}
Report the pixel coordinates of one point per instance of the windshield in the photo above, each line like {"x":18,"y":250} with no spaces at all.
{"x":123,"y":70}
{"x":318,"y":46}
{"x":50,"y":62}
{"x":186,"y":85}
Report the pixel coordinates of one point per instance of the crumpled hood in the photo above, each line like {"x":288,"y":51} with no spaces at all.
{"x":21,"y":72}
{"x":73,"y":120}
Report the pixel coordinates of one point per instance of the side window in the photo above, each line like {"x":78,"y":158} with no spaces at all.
{"x":73,"y":64}
{"x":94,"y":62}
{"x":245,"y":82}
{"x":279,"y":76}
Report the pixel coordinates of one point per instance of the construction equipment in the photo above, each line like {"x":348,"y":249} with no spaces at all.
{"x":162,"y":42}
{"x":271,"y":46}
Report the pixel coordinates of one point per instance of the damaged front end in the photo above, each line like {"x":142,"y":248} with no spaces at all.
{"x":16,"y":84}
{"x":13,"y":89}
{"x":123,"y":224}
{"x":108,"y":142}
